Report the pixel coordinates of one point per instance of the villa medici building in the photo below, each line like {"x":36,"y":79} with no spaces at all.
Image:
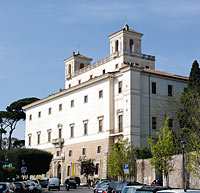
{"x":117,"y":96}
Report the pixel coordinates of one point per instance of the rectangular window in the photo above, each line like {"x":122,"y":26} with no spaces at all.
{"x":30,"y":117}
{"x":98,"y":149}
{"x":60,"y":107}
{"x":85,"y":128}
{"x":116,"y":66}
{"x":104,"y":71}
{"x":79,"y":81}
{"x":154,"y":123}
{"x":29,"y":140}
{"x":58,"y":153}
{"x":72,"y":103}
{"x":49,"y":112}
{"x":147,"y":67}
{"x":69,"y":85}
{"x":49,"y":136}
{"x":100,"y":125}
{"x":59,"y":133}
{"x":97,"y":169}
{"x":170,"y":92}
{"x":90,"y":76}
{"x":120,"y":87}
{"x":85,"y":99}
{"x":120,"y":123}
{"x":68,"y":171}
{"x":39,"y":114}
{"x":83,"y":151}
{"x":70,"y":153}
{"x":101,"y":94}
{"x":72,"y":131}
{"x":170,"y":123}
{"x":153,"y":88}
{"x":38,"y":138}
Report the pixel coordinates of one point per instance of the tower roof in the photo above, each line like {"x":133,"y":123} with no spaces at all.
{"x":78,"y":55}
{"x":125,"y":29}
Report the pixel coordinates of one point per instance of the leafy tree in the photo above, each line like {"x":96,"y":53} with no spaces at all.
{"x":122,"y":153}
{"x":87,"y":167}
{"x":37,"y":161}
{"x":193,"y":156}
{"x":13,"y":114}
{"x":190,"y":100}
{"x":162,"y":151}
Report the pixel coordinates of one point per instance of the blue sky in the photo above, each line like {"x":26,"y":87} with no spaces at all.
{"x":37,"y":35}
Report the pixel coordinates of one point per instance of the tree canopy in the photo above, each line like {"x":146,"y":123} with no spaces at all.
{"x":87,"y":167}
{"x":162,"y":151}
{"x":37,"y":161}
{"x":13,"y":114}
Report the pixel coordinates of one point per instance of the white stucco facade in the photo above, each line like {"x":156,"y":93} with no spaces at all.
{"x":102,"y":101}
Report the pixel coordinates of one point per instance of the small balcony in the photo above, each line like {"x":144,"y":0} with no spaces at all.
{"x":58,"y":142}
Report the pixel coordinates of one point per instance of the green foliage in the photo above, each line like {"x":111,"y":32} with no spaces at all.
{"x":190,"y":100}
{"x":162,"y":150}
{"x":13,"y":114}
{"x":142,"y":152}
{"x":87,"y":167}
{"x":193,"y":155}
{"x":36,"y":161}
{"x":122,"y":153}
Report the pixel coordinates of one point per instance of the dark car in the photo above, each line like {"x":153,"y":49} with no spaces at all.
{"x":120,"y":186}
{"x":6,"y":187}
{"x":106,"y":187}
{"x":43,"y":183}
{"x":77,"y":179}
{"x":20,"y":187}
{"x":70,"y":184}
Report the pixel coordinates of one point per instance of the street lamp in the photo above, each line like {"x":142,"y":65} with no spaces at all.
{"x":135,"y":166}
{"x":183,"y":156}
{"x":6,"y":162}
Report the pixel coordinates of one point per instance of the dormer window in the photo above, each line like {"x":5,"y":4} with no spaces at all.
{"x":81,"y":65}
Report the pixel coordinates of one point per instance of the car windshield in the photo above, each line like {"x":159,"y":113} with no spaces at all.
{"x":30,"y":183}
{"x":129,"y":190}
{"x":103,"y":185}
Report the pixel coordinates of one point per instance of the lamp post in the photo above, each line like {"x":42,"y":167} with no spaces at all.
{"x":135,"y":166}
{"x":183,"y":165}
{"x":6,"y":162}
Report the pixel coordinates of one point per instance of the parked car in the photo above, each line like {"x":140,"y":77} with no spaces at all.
{"x":6,"y":187}
{"x":178,"y":191}
{"x":20,"y":187}
{"x":70,"y":183}
{"x":54,"y":183}
{"x":43,"y":183}
{"x":106,"y":187}
{"x":33,"y":187}
{"x":77,"y":179}
{"x":120,"y":186}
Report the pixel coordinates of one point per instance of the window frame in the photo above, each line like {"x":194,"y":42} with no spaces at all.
{"x":100,"y":94}
{"x":170,"y":90}
{"x":120,"y":87}
{"x":154,"y":123}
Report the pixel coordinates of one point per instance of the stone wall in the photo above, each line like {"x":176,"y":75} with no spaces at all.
{"x":146,"y":174}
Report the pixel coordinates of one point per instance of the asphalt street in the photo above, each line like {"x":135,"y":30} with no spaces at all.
{"x":80,"y":189}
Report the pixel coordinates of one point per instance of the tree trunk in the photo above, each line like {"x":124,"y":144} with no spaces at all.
{"x":167,"y":179}
{"x":9,"y":138}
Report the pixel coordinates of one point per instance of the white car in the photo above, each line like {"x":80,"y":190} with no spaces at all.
{"x":54,"y":183}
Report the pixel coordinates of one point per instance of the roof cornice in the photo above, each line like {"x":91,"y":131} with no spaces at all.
{"x":66,"y":91}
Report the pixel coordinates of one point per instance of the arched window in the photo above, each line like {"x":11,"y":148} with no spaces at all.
{"x":69,"y":69}
{"x":116,"y":46}
{"x":131,"y":44}
{"x":81,"y":65}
